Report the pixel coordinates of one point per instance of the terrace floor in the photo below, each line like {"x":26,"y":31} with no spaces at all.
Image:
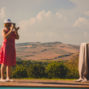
{"x":44,"y":83}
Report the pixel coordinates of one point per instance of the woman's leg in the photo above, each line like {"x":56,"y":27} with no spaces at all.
{"x":8,"y":72}
{"x":2,"y":71}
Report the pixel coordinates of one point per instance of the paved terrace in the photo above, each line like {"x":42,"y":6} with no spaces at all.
{"x":45,"y":83}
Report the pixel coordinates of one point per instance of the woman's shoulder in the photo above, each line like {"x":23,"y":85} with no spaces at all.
{"x":5,"y":30}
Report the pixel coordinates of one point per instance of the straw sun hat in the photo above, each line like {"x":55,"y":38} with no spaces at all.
{"x":7,"y":21}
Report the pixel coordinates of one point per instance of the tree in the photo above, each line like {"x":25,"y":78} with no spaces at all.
{"x":19,"y":72}
{"x":36,"y":71}
{"x":56,"y":70}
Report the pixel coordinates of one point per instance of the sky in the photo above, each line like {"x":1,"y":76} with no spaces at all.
{"x":64,"y":21}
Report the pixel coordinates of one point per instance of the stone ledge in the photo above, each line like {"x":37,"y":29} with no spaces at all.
{"x":44,"y":83}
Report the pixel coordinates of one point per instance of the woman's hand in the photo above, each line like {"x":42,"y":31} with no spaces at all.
{"x":17,"y":28}
{"x":11,"y":28}
{"x":16,"y":33}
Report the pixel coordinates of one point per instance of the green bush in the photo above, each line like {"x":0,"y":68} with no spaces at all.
{"x":56,"y":70}
{"x":36,"y":71}
{"x":19,"y":72}
{"x":73,"y":72}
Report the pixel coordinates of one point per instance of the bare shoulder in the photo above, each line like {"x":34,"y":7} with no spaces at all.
{"x":4,"y":30}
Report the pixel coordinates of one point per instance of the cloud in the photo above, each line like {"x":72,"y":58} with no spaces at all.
{"x":81,"y":22}
{"x":2,"y":13}
{"x":46,"y":26}
{"x":87,"y":13}
{"x":2,"y":17}
{"x":59,"y":15}
{"x":42,"y":14}
{"x":41,"y":17}
{"x":66,"y":25}
{"x":37,"y":19}
{"x":81,"y":12}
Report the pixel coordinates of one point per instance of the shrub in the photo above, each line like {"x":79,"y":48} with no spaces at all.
{"x":36,"y":71}
{"x":19,"y":72}
{"x":56,"y":70}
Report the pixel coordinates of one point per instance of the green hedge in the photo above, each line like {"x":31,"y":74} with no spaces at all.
{"x":30,"y":69}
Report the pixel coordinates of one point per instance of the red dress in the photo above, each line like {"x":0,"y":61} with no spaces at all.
{"x":7,"y":51}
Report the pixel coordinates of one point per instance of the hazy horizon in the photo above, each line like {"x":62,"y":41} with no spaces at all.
{"x":65,"y":21}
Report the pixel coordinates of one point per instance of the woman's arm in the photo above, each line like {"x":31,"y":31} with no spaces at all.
{"x":16,"y":33}
{"x":6,"y":35}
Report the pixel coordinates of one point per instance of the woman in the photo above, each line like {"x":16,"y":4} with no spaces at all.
{"x":8,"y":52}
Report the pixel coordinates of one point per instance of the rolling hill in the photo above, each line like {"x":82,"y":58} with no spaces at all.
{"x":46,"y":51}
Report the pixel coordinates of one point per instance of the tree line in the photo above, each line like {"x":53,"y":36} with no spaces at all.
{"x":34,"y":69}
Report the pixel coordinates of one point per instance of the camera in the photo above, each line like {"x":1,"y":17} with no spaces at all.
{"x":14,"y":26}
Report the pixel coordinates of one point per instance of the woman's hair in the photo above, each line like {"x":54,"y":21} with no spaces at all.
{"x":7,"y":25}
